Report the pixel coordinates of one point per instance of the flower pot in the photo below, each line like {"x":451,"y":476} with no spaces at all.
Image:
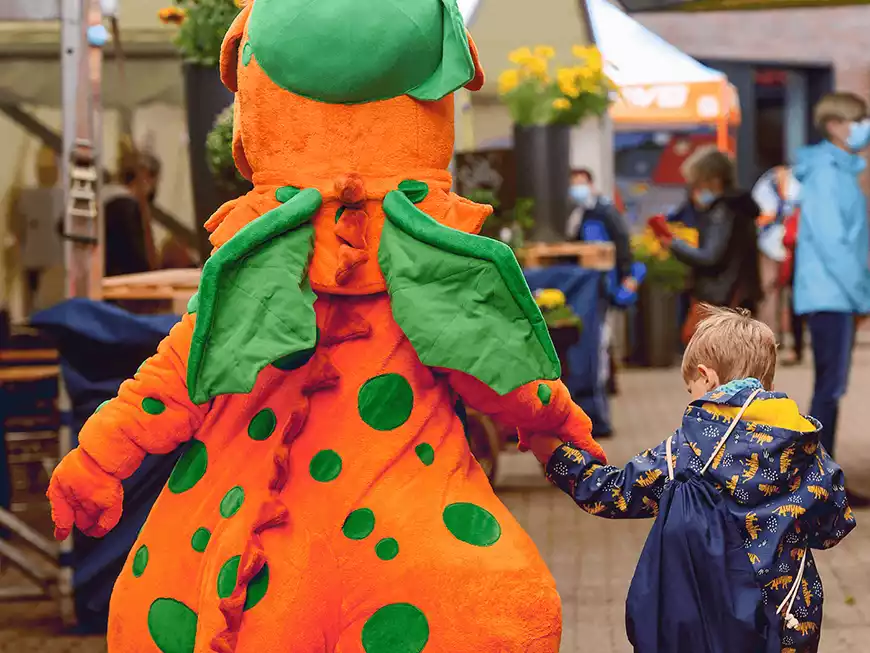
{"x":206,"y":98}
{"x":564,"y":337}
{"x":543,"y":170}
{"x":658,"y":327}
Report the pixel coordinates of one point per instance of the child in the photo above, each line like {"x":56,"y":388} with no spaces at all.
{"x":785,"y":492}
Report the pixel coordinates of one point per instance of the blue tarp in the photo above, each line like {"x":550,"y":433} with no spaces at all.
{"x":585,"y":292}
{"x":100,"y":346}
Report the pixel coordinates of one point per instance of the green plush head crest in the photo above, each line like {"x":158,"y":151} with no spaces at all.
{"x":354,"y":51}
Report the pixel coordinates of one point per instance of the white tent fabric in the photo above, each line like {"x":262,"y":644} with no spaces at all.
{"x":637,"y":56}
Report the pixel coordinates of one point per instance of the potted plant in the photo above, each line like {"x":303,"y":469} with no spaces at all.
{"x":666,"y":279}
{"x":219,"y":158}
{"x":202,"y":25}
{"x":509,"y":226}
{"x":544,"y":106}
{"x":564,"y":324}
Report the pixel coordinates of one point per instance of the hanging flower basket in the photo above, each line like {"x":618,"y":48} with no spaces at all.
{"x":537,"y":95}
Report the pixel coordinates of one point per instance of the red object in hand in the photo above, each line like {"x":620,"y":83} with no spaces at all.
{"x":659,"y":225}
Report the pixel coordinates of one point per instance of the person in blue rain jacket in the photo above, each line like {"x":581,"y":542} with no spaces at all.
{"x":778,"y":482}
{"x":831,"y":277}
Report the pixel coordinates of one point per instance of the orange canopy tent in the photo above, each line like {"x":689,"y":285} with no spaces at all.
{"x":660,"y":86}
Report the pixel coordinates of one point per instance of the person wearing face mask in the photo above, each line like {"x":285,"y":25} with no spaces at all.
{"x":596,"y":219}
{"x":832,"y":280}
{"x":724,"y":265}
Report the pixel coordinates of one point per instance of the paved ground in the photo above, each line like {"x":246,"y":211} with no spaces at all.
{"x":593,"y":559}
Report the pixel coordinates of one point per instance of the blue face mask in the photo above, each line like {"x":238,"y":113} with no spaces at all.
{"x":704,"y":198}
{"x":859,"y":136}
{"x":580,"y":193}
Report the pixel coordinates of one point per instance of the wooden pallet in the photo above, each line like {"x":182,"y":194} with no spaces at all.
{"x":592,"y":256}
{"x":171,"y":289}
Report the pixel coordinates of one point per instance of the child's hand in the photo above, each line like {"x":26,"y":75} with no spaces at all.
{"x":543,"y":446}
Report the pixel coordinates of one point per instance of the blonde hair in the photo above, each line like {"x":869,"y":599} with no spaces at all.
{"x":838,"y":106}
{"x":732,"y":343}
{"x":708,"y":163}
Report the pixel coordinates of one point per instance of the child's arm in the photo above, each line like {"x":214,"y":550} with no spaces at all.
{"x":151,"y":414}
{"x":606,"y":491}
{"x":831,"y":518}
{"x":713,"y":250}
{"x":538,"y":407}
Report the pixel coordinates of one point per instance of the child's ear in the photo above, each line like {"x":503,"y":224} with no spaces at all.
{"x":710,"y":376}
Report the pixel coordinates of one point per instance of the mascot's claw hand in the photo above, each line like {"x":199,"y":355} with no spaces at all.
{"x":82,"y":494}
{"x":576,"y":431}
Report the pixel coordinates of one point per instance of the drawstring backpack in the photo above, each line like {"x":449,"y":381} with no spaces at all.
{"x":694,"y":589}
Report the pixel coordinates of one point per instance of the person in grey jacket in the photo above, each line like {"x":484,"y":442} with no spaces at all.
{"x":725,"y":268}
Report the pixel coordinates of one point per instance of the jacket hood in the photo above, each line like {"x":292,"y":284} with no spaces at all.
{"x":741,"y":204}
{"x":772,"y":440}
{"x":826,"y":154}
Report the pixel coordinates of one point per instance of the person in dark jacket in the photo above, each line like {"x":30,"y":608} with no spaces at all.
{"x":596,"y":219}
{"x":129,"y":246}
{"x":724,"y":265}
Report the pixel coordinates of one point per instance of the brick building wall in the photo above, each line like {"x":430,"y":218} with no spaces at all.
{"x":838,"y":35}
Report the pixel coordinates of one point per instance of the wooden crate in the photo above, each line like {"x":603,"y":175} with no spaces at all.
{"x":165,"y":290}
{"x":592,"y":256}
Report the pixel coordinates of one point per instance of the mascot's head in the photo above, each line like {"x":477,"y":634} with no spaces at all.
{"x":303,"y":69}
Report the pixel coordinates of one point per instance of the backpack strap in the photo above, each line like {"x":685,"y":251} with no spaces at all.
{"x":670,"y":458}
{"x":790,"y":620}
{"x":731,"y":428}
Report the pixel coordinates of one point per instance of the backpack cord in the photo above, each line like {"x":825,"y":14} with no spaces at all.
{"x":790,"y":620}
{"x":731,"y":428}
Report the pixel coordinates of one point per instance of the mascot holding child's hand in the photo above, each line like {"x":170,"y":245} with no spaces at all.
{"x":327,"y":500}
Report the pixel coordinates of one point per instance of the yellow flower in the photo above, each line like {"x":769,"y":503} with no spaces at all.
{"x":520,"y":56}
{"x":172,"y":15}
{"x":590,"y":55}
{"x":561,"y":104}
{"x":567,"y":81}
{"x":508,"y":81}
{"x":579,"y":51}
{"x":536,"y":66}
{"x":544,"y":52}
{"x":550,"y":298}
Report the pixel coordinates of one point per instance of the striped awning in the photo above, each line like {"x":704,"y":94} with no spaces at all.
{"x":724,"y":5}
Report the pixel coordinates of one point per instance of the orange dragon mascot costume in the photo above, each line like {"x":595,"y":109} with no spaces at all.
{"x":327,"y":500}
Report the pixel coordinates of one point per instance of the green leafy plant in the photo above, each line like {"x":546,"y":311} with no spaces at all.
{"x":219,"y":155}
{"x":555,"y":309}
{"x":202,"y":27}
{"x":519,"y":220}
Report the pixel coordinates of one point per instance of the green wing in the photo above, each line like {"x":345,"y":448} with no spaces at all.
{"x":254,"y":305}
{"x":462,"y":300}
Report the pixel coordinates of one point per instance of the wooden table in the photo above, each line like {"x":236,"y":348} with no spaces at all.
{"x":167,"y":289}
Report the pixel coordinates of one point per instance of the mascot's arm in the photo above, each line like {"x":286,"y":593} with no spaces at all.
{"x":539,"y":407}
{"x":151,"y":414}
{"x":465,"y":306}
{"x":254,"y":308}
